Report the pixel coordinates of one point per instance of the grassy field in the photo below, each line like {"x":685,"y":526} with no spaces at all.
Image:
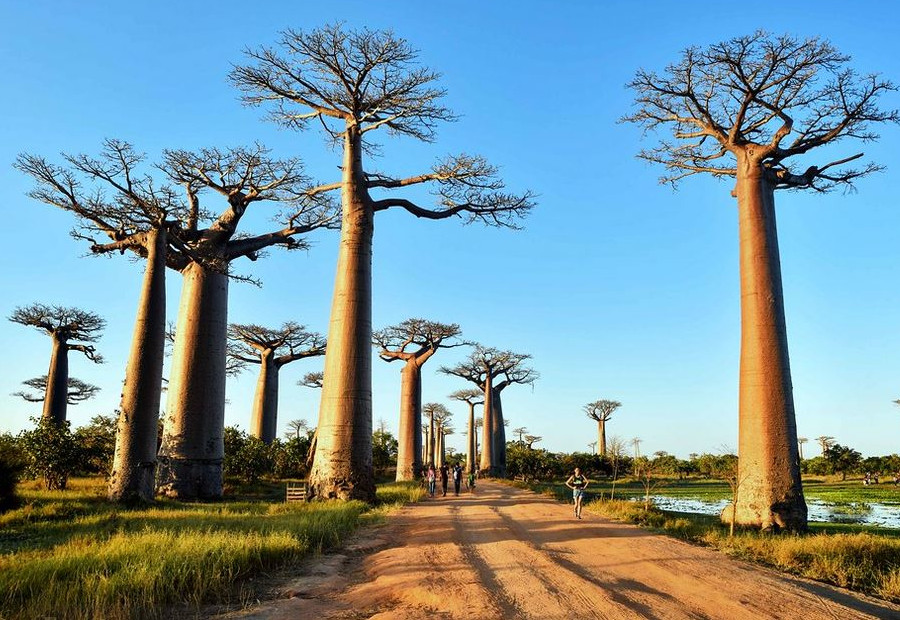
{"x":71,"y":554}
{"x":858,"y":557}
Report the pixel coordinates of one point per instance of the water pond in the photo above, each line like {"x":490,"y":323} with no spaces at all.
{"x":862,"y":513}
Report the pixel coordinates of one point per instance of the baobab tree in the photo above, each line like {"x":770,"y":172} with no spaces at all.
{"x":601,"y":411}
{"x":800,"y":442}
{"x":77,"y":391}
{"x":636,"y":443}
{"x":193,"y":438}
{"x":436,"y":413}
{"x":312,"y":380}
{"x":271,"y":349}
{"x":471,"y":397}
{"x":70,"y":329}
{"x":825,"y":442}
{"x":530,"y":440}
{"x":752,"y":108}
{"x":414,"y":341}
{"x":520,"y":431}
{"x":129,"y":211}
{"x":483,"y":366}
{"x":356,"y":83}
{"x":593,"y":446}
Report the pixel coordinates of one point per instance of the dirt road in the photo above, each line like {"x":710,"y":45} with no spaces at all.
{"x":508,"y":553}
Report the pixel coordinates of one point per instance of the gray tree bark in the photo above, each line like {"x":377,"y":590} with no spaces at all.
{"x":342,"y":466}
{"x":56,"y":399}
{"x":193,"y":443}
{"x":264,"y":419}
{"x":470,"y":443}
{"x":134,"y":463}
{"x":409,"y":447}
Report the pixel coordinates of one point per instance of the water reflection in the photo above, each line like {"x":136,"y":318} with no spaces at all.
{"x":883,"y":515}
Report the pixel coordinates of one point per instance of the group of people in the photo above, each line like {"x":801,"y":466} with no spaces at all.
{"x":444,"y":473}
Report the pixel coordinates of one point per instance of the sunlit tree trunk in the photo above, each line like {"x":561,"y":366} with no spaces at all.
{"x":771,"y":496}
{"x":601,"y":437}
{"x":264,"y":420}
{"x":431,"y":441}
{"x":134,"y":464}
{"x":193,"y":442}
{"x":470,"y":443}
{"x":409,"y":446}
{"x":442,"y":448}
{"x":56,"y":399}
{"x":487,"y":428}
{"x":342,"y":466}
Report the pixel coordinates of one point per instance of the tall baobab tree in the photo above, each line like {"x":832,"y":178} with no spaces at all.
{"x":128,"y":211}
{"x":530,"y":440}
{"x":271,"y":349}
{"x":413,"y":341}
{"x":825,"y":442}
{"x":601,"y":411}
{"x":471,"y":397}
{"x":751,"y":108}
{"x":436,"y":413}
{"x":70,"y":329}
{"x":77,"y":391}
{"x":800,"y":442}
{"x":593,"y":446}
{"x":636,"y":443}
{"x":295,"y":427}
{"x":520,"y":431}
{"x":356,"y":83}
{"x":193,"y":438}
{"x":484,"y":367}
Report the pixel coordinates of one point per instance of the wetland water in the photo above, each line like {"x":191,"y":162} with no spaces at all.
{"x":863,"y":513}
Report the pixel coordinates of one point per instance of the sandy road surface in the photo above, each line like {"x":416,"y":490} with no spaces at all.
{"x":508,"y":553}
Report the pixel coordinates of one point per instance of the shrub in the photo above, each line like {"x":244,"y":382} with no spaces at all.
{"x":51,"y":452}
{"x":12,"y":466}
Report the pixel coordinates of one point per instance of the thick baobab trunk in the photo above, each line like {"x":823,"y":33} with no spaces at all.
{"x":134,"y":464}
{"x":770,"y":495}
{"x":442,"y":450}
{"x":498,"y":435}
{"x":190,"y":460}
{"x":264,"y":421}
{"x":487,"y":428}
{"x":409,"y":446}
{"x":342,"y":466}
{"x":470,"y":443}
{"x":56,"y":400}
{"x":601,"y":437}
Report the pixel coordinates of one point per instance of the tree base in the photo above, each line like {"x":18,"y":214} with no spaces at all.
{"x":134,"y":486}
{"x":188,"y":479}
{"x":784,"y":516}
{"x":341,"y":488}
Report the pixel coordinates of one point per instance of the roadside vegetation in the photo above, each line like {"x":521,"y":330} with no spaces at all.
{"x":73,"y":554}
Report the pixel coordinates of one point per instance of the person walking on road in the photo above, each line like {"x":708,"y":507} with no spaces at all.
{"x":431,"y":478}
{"x":457,"y":478}
{"x":578,"y":483}
{"x":445,"y":478}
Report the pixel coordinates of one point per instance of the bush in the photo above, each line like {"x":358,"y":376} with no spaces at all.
{"x":12,"y":466}
{"x":51,"y":453}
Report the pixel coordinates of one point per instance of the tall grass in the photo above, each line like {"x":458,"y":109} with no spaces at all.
{"x":73,"y":555}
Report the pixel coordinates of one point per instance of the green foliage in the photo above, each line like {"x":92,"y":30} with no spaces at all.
{"x":842,"y":459}
{"x":96,"y":445}
{"x":51,"y":452}
{"x":384,"y":450}
{"x":247,"y":458}
{"x":289,"y":458}
{"x":528,"y":463}
{"x":13,"y":462}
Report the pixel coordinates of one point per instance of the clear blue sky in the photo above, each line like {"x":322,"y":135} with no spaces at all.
{"x":619,"y":287}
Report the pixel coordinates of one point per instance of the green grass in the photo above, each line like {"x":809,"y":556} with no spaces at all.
{"x":71,"y":554}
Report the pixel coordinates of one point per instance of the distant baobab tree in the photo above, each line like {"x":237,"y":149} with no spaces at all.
{"x":128,"y":211}
{"x":484,"y":366}
{"x":825,"y":443}
{"x":520,"y":431}
{"x":70,"y":329}
{"x":601,"y":411}
{"x":593,"y":446}
{"x":530,"y":440}
{"x":751,"y":108}
{"x":800,"y":442}
{"x":312,"y":380}
{"x":436,"y":413}
{"x":271,"y":349}
{"x":193,"y":437}
{"x":413,"y":341}
{"x":295,"y":427}
{"x":636,"y":443}
{"x":471,"y":397}
{"x":77,"y":390}
{"x":355,"y":82}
